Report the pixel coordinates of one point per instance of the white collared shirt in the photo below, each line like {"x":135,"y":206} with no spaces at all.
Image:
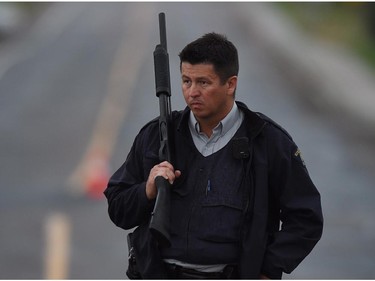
{"x":221,"y":134}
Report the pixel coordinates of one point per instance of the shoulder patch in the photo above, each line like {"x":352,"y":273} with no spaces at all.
{"x":298,"y":155}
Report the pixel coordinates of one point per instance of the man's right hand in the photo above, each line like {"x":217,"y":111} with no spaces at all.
{"x":164,"y":169}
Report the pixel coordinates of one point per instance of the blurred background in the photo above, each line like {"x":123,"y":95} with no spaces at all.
{"x":77,"y":84}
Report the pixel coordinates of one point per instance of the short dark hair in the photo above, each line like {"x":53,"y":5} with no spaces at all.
{"x":215,"y":49}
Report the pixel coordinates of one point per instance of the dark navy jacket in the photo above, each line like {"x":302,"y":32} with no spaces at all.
{"x":283,"y":221}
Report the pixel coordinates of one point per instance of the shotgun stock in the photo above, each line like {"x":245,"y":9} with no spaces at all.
{"x":159,"y":224}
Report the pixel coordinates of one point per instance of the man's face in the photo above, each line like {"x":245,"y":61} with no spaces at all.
{"x":208,"y":98}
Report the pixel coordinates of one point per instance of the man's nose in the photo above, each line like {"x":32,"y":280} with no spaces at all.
{"x":193,"y":90}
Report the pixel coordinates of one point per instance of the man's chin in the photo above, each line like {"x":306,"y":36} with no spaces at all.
{"x":198,"y":112}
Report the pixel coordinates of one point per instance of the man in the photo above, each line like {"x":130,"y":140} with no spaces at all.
{"x":243,"y":204}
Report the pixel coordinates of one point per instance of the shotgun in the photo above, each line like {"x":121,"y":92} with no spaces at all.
{"x":160,"y":219}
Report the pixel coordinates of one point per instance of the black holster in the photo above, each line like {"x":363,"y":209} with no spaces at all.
{"x":132,"y":271}
{"x":145,"y":261}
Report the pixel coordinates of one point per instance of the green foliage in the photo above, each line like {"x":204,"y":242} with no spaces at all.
{"x":350,"y":24}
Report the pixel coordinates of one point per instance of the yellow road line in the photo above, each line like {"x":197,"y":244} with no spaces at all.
{"x":57,"y":248}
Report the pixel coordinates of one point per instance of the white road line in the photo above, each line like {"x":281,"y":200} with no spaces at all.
{"x":122,"y":78}
{"x":57,"y":248}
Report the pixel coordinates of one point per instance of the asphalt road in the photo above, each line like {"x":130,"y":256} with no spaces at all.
{"x":79,"y":85}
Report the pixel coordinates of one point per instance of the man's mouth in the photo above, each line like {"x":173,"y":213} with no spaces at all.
{"x":195,"y":104}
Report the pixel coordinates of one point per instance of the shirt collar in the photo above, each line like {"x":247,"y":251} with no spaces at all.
{"x":224,"y":125}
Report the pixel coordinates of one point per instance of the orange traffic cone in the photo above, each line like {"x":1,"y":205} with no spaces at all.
{"x":96,"y":177}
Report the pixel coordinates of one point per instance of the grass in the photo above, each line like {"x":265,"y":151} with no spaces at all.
{"x":351,"y":25}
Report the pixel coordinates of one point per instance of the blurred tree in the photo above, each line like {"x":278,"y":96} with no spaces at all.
{"x":369,"y":18}
{"x":349,"y":24}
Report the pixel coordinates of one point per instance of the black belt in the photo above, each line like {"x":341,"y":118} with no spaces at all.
{"x":179,"y":272}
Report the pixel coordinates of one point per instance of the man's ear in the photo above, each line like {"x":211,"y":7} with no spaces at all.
{"x":232,"y":85}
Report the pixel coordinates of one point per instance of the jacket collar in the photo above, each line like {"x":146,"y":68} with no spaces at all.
{"x":254,"y":123}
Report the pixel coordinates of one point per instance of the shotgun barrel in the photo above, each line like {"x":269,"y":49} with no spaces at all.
{"x":160,"y":218}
